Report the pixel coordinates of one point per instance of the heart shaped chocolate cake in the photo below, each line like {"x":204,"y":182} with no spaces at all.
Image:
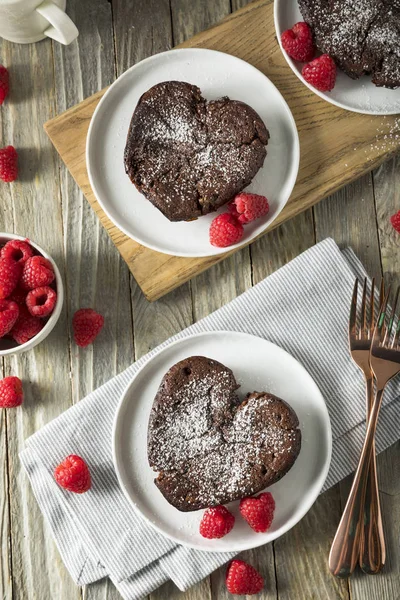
{"x":189,"y":156}
{"x":362,"y":36}
{"x":211,"y":448}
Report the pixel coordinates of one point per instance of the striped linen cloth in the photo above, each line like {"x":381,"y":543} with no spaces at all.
{"x":303,"y":307}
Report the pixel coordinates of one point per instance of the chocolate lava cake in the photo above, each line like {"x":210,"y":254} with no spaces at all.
{"x":210,"y":447}
{"x":362,"y":36}
{"x":189,"y":156}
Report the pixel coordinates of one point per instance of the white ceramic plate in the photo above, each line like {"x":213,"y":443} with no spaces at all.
{"x":216,"y":74}
{"x":257,"y":365}
{"x":360,"y":95}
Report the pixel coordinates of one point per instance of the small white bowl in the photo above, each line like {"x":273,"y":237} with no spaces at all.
{"x":7,"y":346}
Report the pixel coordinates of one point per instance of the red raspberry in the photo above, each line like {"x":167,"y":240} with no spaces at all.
{"x":73,"y":474}
{"x":17,"y":251}
{"x":225,"y":230}
{"x":26,"y":326}
{"x":321,"y":73}
{"x":4,"y":84}
{"x":37,"y":272}
{"x":216,"y":522}
{"x":258,"y":511}
{"x":298,"y":42}
{"x":10,"y":272}
{"x":395,"y":221}
{"x":9,"y":312}
{"x":249,"y":207}
{"x":87,"y":324}
{"x":41,"y":301}
{"x":11,"y":392}
{"x":243,"y":579}
{"x":19,"y":296}
{"x":8,"y":164}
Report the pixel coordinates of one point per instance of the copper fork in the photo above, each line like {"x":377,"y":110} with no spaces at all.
{"x":385,"y":364}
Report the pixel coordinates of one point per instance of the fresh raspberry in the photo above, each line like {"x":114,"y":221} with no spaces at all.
{"x":249,"y":207}
{"x":73,"y":474}
{"x":225,"y":230}
{"x":395,"y":221}
{"x":216,"y":522}
{"x":87,"y":324}
{"x":17,"y":251}
{"x":4,"y":84}
{"x":41,"y":301}
{"x":37,"y":272}
{"x":26,"y":326}
{"x":243,"y":579}
{"x":258,"y":511}
{"x":9,"y":312}
{"x":321,"y":73}
{"x":19,"y":296}
{"x":8,"y":164}
{"x":298,"y":42}
{"x":11,"y":392}
{"x":10,"y":272}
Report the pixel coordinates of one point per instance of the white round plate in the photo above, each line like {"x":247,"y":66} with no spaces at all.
{"x":216,"y":74}
{"x":359,"y":95}
{"x":257,"y":365}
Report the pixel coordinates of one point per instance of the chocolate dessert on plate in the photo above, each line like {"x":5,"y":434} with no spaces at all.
{"x":189,"y":156}
{"x":210,"y":447}
{"x":362,"y":36}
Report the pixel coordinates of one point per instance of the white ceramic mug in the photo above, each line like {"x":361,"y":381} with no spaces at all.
{"x":27,"y":21}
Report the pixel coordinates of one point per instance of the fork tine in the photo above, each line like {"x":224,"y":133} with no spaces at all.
{"x":363,"y":318}
{"x":372,"y":308}
{"x":353,"y":311}
{"x":379,"y":333}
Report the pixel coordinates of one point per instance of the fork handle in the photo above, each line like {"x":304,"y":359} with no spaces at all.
{"x":372,"y":543}
{"x":345,"y":550}
{"x":372,"y":540}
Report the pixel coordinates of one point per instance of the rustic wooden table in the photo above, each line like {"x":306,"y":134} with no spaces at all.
{"x":46,"y":205}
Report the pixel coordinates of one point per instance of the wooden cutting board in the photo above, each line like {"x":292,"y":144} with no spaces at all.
{"x":336,"y":146}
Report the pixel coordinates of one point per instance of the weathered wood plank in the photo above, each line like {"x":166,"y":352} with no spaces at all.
{"x":141,"y":29}
{"x":201,"y":15}
{"x":349,"y":218}
{"x":96,"y":275}
{"x":5,"y":527}
{"x":101,"y":590}
{"x":44,"y":370}
{"x":387,"y":197}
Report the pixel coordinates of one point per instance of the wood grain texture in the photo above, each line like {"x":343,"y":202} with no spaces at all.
{"x":44,"y":370}
{"x":5,"y":527}
{"x":387,"y":195}
{"x":337,"y":146}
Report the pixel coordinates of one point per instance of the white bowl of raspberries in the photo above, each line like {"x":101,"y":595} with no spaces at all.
{"x":31,"y":294}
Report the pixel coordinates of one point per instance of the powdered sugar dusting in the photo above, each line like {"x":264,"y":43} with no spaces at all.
{"x":363,"y":37}
{"x":210,"y":448}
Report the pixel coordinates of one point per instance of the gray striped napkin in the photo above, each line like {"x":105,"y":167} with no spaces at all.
{"x":303,"y":308}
